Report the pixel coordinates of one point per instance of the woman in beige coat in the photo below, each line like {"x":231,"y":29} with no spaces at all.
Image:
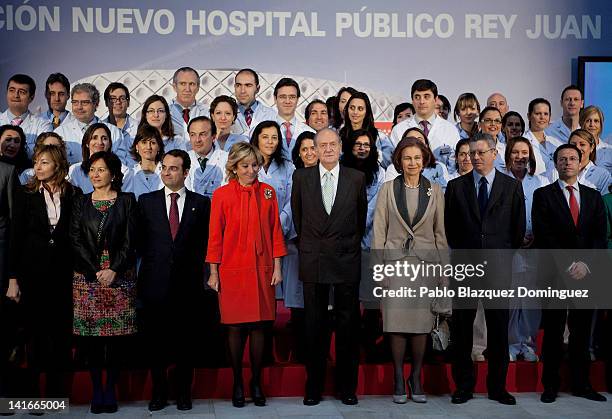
{"x":409,"y":227}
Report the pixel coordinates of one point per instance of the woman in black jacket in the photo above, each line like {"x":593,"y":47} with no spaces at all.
{"x":41,"y":269}
{"x":103,"y":240}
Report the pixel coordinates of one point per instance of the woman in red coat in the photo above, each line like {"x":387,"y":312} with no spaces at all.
{"x":245,"y":247}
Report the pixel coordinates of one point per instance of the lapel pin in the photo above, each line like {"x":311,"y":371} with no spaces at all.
{"x":268,"y":193}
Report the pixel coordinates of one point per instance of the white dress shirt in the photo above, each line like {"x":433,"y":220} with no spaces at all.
{"x":563,"y":185}
{"x":336,"y":175}
{"x":180,"y":201}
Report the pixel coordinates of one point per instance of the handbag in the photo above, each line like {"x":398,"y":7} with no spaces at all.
{"x":440,"y":334}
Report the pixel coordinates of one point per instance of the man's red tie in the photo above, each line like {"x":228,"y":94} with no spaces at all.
{"x":287,"y":126}
{"x":174,"y":215}
{"x":573,"y":204}
{"x":186,"y":115}
{"x":248,"y":116}
{"x":425,"y":125}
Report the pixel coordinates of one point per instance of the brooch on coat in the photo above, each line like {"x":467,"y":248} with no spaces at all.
{"x":268,"y":193}
{"x":428,"y":191}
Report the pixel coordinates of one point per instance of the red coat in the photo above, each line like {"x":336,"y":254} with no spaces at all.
{"x":244,"y":238}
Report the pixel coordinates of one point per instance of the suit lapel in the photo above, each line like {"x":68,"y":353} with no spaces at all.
{"x":400,"y":200}
{"x":188,"y":210}
{"x":163,"y":211}
{"x":423,"y":205}
{"x":470,"y":193}
{"x":341,"y":191}
{"x":315,"y":181}
{"x":496,"y":190}
{"x":585,"y":207}
{"x":562,"y":203}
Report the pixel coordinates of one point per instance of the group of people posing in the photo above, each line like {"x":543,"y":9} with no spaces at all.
{"x":129,"y":226}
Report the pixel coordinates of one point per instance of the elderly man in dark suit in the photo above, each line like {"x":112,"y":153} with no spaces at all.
{"x":329,"y":205}
{"x":484,"y":209}
{"x":568,"y":215}
{"x":172,"y":244}
{"x":8,"y":187}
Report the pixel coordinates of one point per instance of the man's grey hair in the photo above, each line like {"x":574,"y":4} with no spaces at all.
{"x":90,"y":89}
{"x":327,"y":130}
{"x":182,"y":69}
{"x":483,"y":136}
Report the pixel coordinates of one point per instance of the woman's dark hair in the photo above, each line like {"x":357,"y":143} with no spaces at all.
{"x":460,"y":143}
{"x":295,"y":153}
{"x":369,"y":166}
{"x":21,"y":160}
{"x":432,"y":158}
{"x":167,"y":129}
{"x":508,"y":153}
{"x":488,"y":109}
{"x":401,"y":108}
{"x":338,"y":116}
{"x":532,"y":105}
{"x":405,"y":143}
{"x":87,"y":139}
{"x":277,"y":156}
{"x":224,"y":99}
{"x":367,"y":124}
{"x":114,"y":167}
{"x":510,"y":114}
{"x":145,"y":133}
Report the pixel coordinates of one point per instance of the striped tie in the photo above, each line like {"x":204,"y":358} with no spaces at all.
{"x":328,"y":191}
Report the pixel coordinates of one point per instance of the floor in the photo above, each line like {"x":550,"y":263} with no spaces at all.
{"x":528,"y":406}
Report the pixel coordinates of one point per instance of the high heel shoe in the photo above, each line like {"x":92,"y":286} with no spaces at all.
{"x":238,"y":396}
{"x":417,"y":398}
{"x":400,"y":398}
{"x":257,"y":394}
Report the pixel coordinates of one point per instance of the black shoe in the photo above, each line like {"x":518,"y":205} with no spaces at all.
{"x":96,"y":408}
{"x":184,"y":403}
{"x":349,"y":399}
{"x":157,"y":404}
{"x":504,"y":398}
{"x":257,"y":395}
{"x":238,"y":396}
{"x":110,"y":408}
{"x":590,"y":394}
{"x":549,"y":396}
{"x":461,"y":396}
{"x":310,"y":400}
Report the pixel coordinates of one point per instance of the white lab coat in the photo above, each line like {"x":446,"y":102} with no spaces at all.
{"x":296,"y":128}
{"x":179,"y":124}
{"x":207,"y":182}
{"x":544,"y":153}
{"x":261,"y":113}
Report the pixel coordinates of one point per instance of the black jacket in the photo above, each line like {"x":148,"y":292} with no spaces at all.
{"x":119,"y":232}
{"x":8,"y":186}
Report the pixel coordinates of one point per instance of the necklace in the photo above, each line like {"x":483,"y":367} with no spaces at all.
{"x":412,"y":187}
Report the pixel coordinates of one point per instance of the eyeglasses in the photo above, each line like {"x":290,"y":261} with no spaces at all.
{"x":492,"y":121}
{"x":480,"y":153}
{"x":119,"y":99}
{"x":462,"y":154}
{"x":81,"y":102}
{"x":365,"y":146}
{"x":156,"y":111}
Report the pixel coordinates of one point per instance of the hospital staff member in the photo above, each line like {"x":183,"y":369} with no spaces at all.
{"x":184,"y":107}
{"x":538,"y":114}
{"x":251,"y":111}
{"x":223,"y":113}
{"x":155,"y":112}
{"x":147,"y":151}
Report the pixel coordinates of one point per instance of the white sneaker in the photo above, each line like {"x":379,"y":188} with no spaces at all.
{"x":511,"y":356}
{"x":529,"y":355}
{"x":477,"y":357}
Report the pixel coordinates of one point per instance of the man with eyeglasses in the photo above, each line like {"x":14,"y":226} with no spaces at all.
{"x":20,"y":91}
{"x":184,"y":107}
{"x":442,"y":134}
{"x":484,"y":209}
{"x":286,"y":97}
{"x":117,"y":100}
{"x":568,"y":215}
{"x":85,"y":99}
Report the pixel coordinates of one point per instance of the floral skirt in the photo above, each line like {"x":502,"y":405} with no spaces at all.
{"x":104,"y":311}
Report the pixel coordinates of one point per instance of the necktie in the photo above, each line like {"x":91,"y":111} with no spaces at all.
{"x":328,"y":191}
{"x":202,"y":161}
{"x":425,"y":125}
{"x":56,"y":121}
{"x":16,"y":122}
{"x":248,"y":116}
{"x":483,"y":195}
{"x":287,"y":126}
{"x":186,"y":115}
{"x":573,"y":204}
{"x":174,"y":216}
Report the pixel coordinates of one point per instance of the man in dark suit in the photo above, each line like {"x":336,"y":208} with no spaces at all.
{"x":9,"y":291}
{"x":329,"y":205}
{"x":567,"y":215}
{"x":172,"y":244}
{"x":485,"y":209}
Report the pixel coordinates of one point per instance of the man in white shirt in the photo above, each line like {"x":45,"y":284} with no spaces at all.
{"x":85,"y":99}
{"x":57,"y":89}
{"x":20,"y":91}
{"x":316,"y":115}
{"x":442,"y":135}
{"x":250,"y":110}
{"x":186,"y":84}
{"x":499,"y":101}
{"x":286,"y":97}
{"x":571,"y":103}
{"x":207,"y":159}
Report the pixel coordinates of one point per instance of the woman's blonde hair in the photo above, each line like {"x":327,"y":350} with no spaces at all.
{"x":239,"y":152}
{"x":587,"y":112}
{"x":58,"y":156}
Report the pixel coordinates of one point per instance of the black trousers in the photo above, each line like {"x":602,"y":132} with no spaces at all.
{"x":579,"y":325}
{"x":497,"y":349}
{"x":346,"y":309}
